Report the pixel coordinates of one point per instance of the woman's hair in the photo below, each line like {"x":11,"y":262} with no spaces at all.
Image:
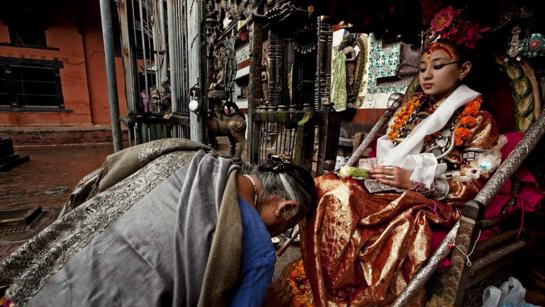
{"x":291,"y":181}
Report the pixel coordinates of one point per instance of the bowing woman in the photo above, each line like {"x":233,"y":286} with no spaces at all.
{"x":165,"y":223}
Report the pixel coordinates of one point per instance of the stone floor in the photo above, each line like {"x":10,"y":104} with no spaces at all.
{"x":49,"y":176}
{"x":46,"y":181}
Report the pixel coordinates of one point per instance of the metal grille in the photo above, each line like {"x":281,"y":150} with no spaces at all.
{"x":30,"y":84}
{"x":290,"y":134}
{"x":36,"y":86}
{"x":149,"y":127}
{"x":155,"y":57}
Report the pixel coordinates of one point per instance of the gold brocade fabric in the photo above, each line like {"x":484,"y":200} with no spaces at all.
{"x":361,"y":249}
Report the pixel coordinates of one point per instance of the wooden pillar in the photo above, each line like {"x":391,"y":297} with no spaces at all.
{"x":128,"y":57}
{"x":255,"y":94}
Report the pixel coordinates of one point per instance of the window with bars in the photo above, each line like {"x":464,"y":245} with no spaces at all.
{"x":30,"y":84}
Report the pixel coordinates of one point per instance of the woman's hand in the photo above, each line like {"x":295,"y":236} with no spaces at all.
{"x":392,"y":175}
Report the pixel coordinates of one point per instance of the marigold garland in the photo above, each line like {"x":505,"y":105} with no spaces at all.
{"x":300,"y":286}
{"x":467,"y":120}
{"x":403,"y":116}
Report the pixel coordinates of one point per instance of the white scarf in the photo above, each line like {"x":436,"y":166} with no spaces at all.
{"x":407,"y":153}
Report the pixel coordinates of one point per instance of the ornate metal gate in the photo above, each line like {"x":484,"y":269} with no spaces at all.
{"x":155,"y":57}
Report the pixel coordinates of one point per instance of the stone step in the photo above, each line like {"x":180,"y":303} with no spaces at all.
{"x":19,"y":218}
{"x":8,"y":157}
{"x":11,"y":161}
{"x":58,"y":136}
{"x":6,"y":148}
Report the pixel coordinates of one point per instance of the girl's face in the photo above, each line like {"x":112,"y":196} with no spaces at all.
{"x":441,"y":72}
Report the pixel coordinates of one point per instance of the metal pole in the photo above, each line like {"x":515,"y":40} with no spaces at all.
{"x":194,"y":23}
{"x":513,"y":161}
{"x":424,"y":274}
{"x":172,"y":56}
{"x":396,"y":99}
{"x":143,"y":37}
{"x":184,"y":55}
{"x":107,"y":34}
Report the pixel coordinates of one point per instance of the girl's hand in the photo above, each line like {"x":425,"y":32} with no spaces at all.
{"x":392,"y":175}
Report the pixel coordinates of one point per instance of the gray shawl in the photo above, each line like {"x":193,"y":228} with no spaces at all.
{"x":201,"y":198}
{"x":168,"y":234}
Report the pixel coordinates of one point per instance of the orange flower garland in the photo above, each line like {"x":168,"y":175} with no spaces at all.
{"x":467,"y":120}
{"x":300,"y":286}
{"x":403,"y":116}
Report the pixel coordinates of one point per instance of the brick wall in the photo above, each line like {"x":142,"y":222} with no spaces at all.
{"x":75,"y":37}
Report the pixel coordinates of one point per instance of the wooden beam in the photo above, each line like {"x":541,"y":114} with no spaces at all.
{"x":128,"y":57}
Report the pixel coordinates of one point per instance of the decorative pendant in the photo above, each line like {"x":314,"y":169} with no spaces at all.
{"x":446,"y":133}
{"x":437,"y":152}
{"x":441,"y":142}
{"x":515,"y":46}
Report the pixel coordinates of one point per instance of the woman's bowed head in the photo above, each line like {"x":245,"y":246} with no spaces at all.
{"x":281,"y":192}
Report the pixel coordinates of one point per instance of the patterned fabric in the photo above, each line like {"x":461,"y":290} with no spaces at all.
{"x":122,"y":164}
{"x":482,"y":137}
{"x":6,"y":302}
{"x":338,"y":81}
{"x":128,"y":176}
{"x":362,"y":249}
{"x":525,"y":193}
{"x":383,"y":61}
{"x":300,"y":286}
{"x":48,"y":251}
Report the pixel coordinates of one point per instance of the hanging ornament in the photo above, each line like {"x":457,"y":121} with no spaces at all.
{"x":536,"y":45}
{"x":515,"y":46}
